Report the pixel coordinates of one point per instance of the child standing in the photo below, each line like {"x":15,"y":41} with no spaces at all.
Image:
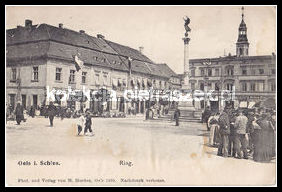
{"x":88,"y":123}
{"x":80,"y":123}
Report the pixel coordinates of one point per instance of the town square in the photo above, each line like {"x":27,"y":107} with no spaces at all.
{"x":162,"y":96}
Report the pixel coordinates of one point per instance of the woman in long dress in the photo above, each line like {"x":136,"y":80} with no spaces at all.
{"x":263,"y":140}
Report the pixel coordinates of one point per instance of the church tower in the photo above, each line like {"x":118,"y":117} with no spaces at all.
{"x":242,"y":45}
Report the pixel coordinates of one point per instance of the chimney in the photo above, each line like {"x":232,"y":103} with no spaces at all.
{"x":61,"y":25}
{"x":81,"y":31}
{"x":141,"y":49}
{"x":28,"y":23}
{"x":100,"y":36}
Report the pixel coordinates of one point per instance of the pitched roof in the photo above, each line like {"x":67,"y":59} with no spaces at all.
{"x":46,"y":40}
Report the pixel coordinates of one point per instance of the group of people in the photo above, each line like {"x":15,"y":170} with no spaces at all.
{"x":84,"y":121}
{"x":242,"y":134}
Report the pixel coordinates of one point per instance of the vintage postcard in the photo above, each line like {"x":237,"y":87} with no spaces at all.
{"x":141,"y":95}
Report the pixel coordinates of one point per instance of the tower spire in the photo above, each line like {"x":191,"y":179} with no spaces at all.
{"x":242,"y":13}
{"x":242,"y":45}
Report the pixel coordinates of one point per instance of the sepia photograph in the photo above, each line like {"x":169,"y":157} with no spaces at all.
{"x":140,"y":95}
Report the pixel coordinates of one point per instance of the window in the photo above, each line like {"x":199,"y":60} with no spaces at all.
{"x":192,"y":86}
{"x":72,"y":76}
{"x":202,"y":72}
{"x":229,"y":86}
{"x":244,"y":71}
{"x":209,"y":86}
{"x":192,"y":72}
{"x":24,"y":101}
{"x":202,"y":86}
{"x":272,"y":86}
{"x":209,"y":72}
{"x":58,"y":74}
{"x":34,"y":99}
{"x":105,"y":78}
{"x":273,"y":71}
{"x":83,"y":78}
{"x":253,"y":71}
{"x":97,"y":79}
{"x":253,"y":87}
{"x":160,"y":84}
{"x":244,"y":86}
{"x":14,"y":74}
{"x":241,"y":51}
{"x":216,"y":72}
{"x":35,"y":74}
{"x":230,"y":72}
{"x":261,"y":71}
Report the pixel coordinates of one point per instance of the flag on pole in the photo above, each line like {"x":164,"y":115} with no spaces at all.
{"x":78,"y":63}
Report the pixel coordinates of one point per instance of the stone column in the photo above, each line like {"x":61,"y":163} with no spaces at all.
{"x":186,"y":63}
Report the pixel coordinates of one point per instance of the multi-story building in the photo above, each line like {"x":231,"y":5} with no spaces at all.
{"x":42,"y":55}
{"x":253,"y":78}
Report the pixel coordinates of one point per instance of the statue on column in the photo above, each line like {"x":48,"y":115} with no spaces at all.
{"x":187,"y":28}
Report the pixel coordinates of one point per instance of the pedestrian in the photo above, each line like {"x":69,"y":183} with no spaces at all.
{"x":51,"y":112}
{"x":250,"y":130}
{"x":263,"y":143}
{"x":231,"y":139}
{"x":207,"y":113}
{"x":224,"y":131}
{"x":240,"y":139}
{"x":19,"y":113}
{"x":213,"y":124}
{"x":80,"y":123}
{"x":88,"y":124}
{"x":32,"y":111}
{"x":176,"y":116}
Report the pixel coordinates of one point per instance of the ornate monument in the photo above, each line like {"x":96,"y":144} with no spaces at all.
{"x":186,"y":107}
{"x":186,"y":40}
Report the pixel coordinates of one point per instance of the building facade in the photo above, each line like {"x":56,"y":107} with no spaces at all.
{"x":41,"y":56}
{"x":253,"y":78}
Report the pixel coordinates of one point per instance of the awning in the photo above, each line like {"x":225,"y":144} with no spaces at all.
{"x":251,"y":104}
{"x":243,"y":104}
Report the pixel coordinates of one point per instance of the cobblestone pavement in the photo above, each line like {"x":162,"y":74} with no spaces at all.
{"x":152,"y":145}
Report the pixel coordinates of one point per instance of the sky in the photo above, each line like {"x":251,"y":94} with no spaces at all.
{"x":160,"y":29}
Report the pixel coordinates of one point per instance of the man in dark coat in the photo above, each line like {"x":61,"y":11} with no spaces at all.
{"x":206,"y":115}
{"x":51,"y":112}
{"x":176,"y":116}
{"x":88,"y":124}
{"x":32,"y":111}
{"x":224,"y":131}
{"x":19,"y":113}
